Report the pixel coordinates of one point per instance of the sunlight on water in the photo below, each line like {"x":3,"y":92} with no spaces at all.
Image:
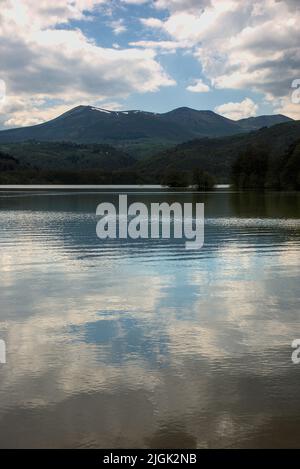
{"x":142,"y":343}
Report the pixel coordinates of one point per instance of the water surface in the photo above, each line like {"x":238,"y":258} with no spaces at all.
{"x":142,"y":343}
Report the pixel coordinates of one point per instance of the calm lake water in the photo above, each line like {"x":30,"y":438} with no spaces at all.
{"x":143,"y":343}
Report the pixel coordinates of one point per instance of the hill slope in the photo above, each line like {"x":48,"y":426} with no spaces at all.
{"x":65,"y":156}
{"x":217,"y":155}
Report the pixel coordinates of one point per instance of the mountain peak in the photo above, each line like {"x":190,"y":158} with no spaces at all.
{"x":183,"y":110}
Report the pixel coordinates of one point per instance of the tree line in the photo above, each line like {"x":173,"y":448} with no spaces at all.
{"x":254,"y":168}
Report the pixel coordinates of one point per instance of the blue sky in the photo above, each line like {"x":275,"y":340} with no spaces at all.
{"x":236,"y":57}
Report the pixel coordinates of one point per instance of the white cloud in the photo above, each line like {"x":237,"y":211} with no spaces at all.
{"x":236,"y":111}
{"x":249,"y":45}
{"x":177,"y":5}
{"x":45,"y":13}
{"x":239,"y":44}
{"x":31,"y":112}
{"x":152,"y":22}
{"x":163,"y":46}
{"x":64,"y":65}
{"x":195,"y":25}
{"x":118,"y":26}
{"x":135,"y":2}
{"x":286,"y":107}
{"x":2,"y":93}
{"x":198,"y":87}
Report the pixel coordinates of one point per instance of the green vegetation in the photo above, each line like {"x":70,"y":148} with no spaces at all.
{"x":264,"y":159}
{"x":199,"y":179}
{"x":250,"y":169}
{"x":7,"y":162}
{"x":33,"y":176}
{"x":143,"y":148}
{"x":254,"y":169}
{"x":173,"y":178}
{"x":67,"y":156}
{"x":202,"y":180}
{"x":217,"y":155}
{"x":289,"y":172}
{"x":65,"y":163}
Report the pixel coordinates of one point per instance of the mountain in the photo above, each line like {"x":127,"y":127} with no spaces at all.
{"x":255,"y":123}
{"x":217,"y":155}
{"x":88,"y":124}
{"x":201,"y":123}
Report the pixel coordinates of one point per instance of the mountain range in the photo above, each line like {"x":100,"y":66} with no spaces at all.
{"x":92,"y":145}
{"x":88,"y":124}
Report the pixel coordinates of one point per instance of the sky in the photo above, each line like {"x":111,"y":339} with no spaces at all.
{"x":235,"y":57}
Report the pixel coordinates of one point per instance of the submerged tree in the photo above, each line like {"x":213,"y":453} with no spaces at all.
{"x":175,"y":178}
{"x":203,"y":180}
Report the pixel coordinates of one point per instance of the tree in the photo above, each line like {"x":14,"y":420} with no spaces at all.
{"x":175,"y":178}
{"x":249,"y":171}
{"x":203,"y":180}
{"x":290,"y":170}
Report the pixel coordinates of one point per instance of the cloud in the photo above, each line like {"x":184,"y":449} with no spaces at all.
{"x":246,"y":45}
{"x":135,"y":2}
{"x":118,"y":26}
{"x":2,"y":93}
{"x":198,"y":87}
{"x":286,"y":107}
{"x":236,"y":111}
{"x":181,"y":5}
{"x":63,"y":65}
{"x":162,"y":46}
{"x":19,"y":113}
{"x":249,"y":45}
{"x":44,"y":13}
{"x":152,"y":22}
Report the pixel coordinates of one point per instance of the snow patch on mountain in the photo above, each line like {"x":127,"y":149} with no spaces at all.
{"x":99,"y":109}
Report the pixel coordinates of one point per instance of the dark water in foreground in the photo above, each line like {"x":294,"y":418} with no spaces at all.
{"x":145,"y":344}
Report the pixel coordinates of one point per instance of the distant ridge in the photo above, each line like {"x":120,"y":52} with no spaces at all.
{"x":90,"y":124}
{"x":255,"y":123}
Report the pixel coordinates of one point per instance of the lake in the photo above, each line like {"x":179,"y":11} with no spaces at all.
{"x":123,"y":343}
